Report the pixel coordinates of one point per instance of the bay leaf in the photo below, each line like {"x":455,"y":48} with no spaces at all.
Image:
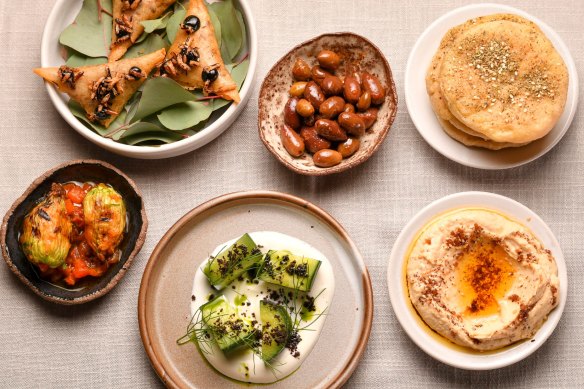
{"x":216,"y":25}
{"x":238,"y":73}
{"x":150,"y":133}
{"x":132,"y":105}
{"x":90,"y":33}
{"x":174,"y":22}
{"x":230,"y":28}
{"x":151,"y":44}
{"x":135,"y":129}
{"x":78,"y":111}
{"x":244,"y":47}
{"x":76,"y":59}
{"x":142,"y":38}
{"x":156,"y":24}
{"x":160,"y":93}
{"x":185,"y":115}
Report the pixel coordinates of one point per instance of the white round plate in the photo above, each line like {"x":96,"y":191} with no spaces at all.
{"x":455,"y":356}
{"x":425,"y":120}
{"x":63,"y":14}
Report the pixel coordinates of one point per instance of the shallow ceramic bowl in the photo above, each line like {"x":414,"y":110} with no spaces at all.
{"x":274,"y":95}
{"x":82,"y":171}
{"x":432,"y":343}
{"x":63,"y":14}
{"x":164,"y":303}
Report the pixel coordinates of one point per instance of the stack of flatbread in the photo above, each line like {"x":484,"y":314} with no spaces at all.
{"x":497,"y":82}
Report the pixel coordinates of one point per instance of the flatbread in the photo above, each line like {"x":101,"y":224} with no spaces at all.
{"x":505,"y":80}
{"x":129,"y":14}
{"x":203,"y":45}
{"x":83,"y":83}
{"x":439,"y":105}
{"x":473,"y":141}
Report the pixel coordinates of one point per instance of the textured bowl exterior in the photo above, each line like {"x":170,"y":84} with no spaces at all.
{"x":82,"y":171}
{"x":274,"y":94}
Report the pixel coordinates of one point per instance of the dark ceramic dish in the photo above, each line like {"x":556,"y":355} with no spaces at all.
{"x":82,"y":171}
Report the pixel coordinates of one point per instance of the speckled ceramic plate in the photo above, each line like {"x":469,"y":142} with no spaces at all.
{"x":165,"y":292}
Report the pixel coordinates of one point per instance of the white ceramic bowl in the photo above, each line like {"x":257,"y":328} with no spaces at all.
{"x":425,"y":120}
{"x":408,"y":319}
{"x":63,"y":14}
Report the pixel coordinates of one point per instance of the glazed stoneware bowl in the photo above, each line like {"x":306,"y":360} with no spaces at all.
{"x":353,"y":49}
{"x":81,"y":171}
{"x":164,"y":303}
{"x":64,"y":12}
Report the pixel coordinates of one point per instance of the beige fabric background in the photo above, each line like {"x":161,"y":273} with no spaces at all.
{"x":98,"y":345}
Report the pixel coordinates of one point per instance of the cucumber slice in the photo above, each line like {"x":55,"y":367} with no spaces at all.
{"x":288,"y":270}
{"x":230,"y":330}
{"x":232,"y":262}
{"x":276,"y":328}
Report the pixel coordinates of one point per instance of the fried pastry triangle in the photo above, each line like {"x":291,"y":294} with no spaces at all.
{"x":103,"y":90}
{"x":127,"y":26}
{"x":194,"y":59}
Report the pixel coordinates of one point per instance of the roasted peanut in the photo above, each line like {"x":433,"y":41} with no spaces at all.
{"x":292,"y":142}
{"x":349,"y":108}
{"x":292,"y":118}
{"x":364,"y":101}
{"x":314,"y":94}
{"x":327,"y":158}
{"x":352,"y":89}
{"x":369,"y":117}
{"x":332,"y":107}
{"x":330,"y":130}
{"x":332,"y":86}
{"x":312,"y":141}
{"x":301,"y":70}
{"x":374,"y":87}
{"x":351,"y":123}
{"x":297,"y":89}
{"x":318,"y":74}
{"x":304,"y":108}
{"x":349,"y":147}
{"x":328,"y":59}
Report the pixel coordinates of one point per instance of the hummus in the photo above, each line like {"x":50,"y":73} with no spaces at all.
{"x":480,"y":279}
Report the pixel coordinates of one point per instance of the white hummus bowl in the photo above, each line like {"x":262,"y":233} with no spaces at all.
{"x":430,"y":343}
{"x":63,"y":14}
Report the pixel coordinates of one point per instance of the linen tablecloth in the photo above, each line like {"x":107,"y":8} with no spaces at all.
{"x":98,"y":345}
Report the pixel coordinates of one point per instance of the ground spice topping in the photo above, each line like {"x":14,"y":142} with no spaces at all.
{"x":485,"y":273}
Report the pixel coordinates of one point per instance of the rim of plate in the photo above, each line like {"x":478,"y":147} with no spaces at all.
{"x":425,"y":121}
{"x":408,"y":318}
{"x":174,"y":149}
{"x":159,"y":363}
